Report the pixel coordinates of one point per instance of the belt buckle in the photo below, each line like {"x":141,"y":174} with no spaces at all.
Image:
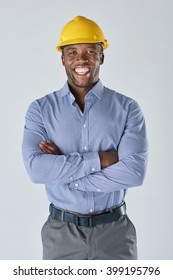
{"x":78,"y":221}
{"x":87,"y":221}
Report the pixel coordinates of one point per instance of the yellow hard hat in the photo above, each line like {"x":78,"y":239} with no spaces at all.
{"x":81,"y":30}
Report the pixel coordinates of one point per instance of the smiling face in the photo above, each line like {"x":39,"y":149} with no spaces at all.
{"x":82,"y":64}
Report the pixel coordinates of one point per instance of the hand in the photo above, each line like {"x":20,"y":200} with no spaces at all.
{"x":108,"y":158}
{"x":48,"y":147}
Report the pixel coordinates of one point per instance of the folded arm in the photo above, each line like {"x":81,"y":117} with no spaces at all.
{"x":120,"y":170}
{"x":93,"y":171}
{"x":44,"y":161}
{"x":130,"y":170}
{"x":106,"y":158}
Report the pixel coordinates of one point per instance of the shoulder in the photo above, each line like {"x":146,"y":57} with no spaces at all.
{"x":45,"y":101}
{"x":49,"y":98}
{"x":118,"y":97}
{"x":122,"y":103}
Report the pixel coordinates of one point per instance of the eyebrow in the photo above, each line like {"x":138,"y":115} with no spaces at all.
{"x":70,"y":48}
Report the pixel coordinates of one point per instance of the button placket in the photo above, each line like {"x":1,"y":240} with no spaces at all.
{"x":85,"y":138}
{"x":90,"y":202}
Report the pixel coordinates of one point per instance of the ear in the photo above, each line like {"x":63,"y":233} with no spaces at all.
{"x":102,"y":58}
{"x":62,"y":59}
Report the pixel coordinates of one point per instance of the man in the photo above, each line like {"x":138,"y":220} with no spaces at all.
{"x":88,"y":145}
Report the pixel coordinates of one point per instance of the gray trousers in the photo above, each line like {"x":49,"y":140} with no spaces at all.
{"x":111,"y":241}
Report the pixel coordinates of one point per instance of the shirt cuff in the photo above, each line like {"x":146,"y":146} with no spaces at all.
{"x":92,"y":162}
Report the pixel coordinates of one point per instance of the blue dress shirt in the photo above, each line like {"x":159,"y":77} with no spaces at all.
{"x":74,"y":180}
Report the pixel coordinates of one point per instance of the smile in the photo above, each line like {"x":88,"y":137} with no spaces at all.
{"x":82,"y":70}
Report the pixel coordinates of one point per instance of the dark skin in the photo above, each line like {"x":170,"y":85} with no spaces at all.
{"x":82,"y":64}
{"x":82,"y":56}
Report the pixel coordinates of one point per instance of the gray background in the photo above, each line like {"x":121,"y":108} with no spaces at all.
{"x":138,"y":63}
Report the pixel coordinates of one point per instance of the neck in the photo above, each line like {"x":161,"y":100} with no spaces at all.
{"x":80,"y":93}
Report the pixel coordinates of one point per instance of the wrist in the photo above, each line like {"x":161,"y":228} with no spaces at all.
{"x":102,"y":159}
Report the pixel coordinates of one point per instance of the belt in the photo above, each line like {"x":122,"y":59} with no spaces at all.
{"x":88,"y":220}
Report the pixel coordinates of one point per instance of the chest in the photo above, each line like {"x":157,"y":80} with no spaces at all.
{"x":98,"y":128}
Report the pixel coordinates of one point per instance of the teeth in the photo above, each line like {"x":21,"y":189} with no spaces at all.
{"x":81,"y":71}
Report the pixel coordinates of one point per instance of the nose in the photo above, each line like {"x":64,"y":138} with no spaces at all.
{"x":82,"y":57}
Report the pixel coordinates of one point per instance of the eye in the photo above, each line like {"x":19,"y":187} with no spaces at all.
{"x":91,"y":52}
{"x":72,"y":53}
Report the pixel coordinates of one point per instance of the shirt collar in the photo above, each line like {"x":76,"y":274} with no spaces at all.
{"x":97,"y":90}
{"x":65,"y":90}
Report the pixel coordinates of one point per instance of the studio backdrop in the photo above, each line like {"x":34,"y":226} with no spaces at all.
{"x":138,"y":63}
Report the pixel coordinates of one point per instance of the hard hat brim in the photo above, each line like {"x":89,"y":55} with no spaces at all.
{"x":59,"y":47}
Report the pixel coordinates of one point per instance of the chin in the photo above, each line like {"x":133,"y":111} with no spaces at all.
{"x":84,"y":85}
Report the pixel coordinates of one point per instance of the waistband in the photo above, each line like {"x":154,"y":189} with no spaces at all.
{"x":88,"y":220}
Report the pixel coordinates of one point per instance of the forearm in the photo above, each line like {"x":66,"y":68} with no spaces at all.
{"x":45,"y":163}
{"x":127,"y":173}
{"x":47,"y":167}
{"x":60,"y":169}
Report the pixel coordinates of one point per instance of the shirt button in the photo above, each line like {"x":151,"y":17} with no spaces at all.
{"x":91,"y":210}
{"x":84,"y":126}
{"x":76,"y":184}
{"x":85,"y":148}
{"x":93,"y":169}
{"x":71,"y":178}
